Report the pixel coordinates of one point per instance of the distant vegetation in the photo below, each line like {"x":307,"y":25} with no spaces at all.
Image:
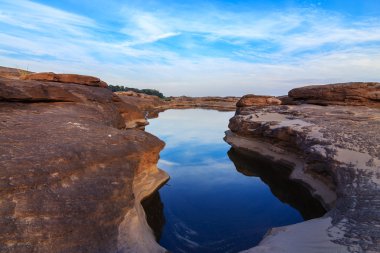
{"x":153,"y":92}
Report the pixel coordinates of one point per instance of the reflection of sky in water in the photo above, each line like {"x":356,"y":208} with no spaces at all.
{"x":208,"y":205}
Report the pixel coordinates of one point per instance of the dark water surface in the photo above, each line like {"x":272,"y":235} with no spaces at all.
{"x":218,"y":199}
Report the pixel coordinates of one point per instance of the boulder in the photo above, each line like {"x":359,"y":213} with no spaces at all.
{"x":255,"y":100}
{"x":354,"y":93}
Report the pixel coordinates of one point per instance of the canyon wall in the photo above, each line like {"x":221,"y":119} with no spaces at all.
{"x":333,"y":150}
{"x":74,"y":167}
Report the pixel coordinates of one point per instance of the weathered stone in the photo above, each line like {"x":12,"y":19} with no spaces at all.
{"x":71,"y":176}
{"x":66,"y":78}
{"x":355,"y":93}
{"x":335,"y":151}
{"x":254,"y":100}
{"x":152,"y":105}
{"x":215,"y":103}
{"x":13,"y":73}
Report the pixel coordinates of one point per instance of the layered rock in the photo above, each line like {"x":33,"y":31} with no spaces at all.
{"x":66,"y":78}
{"x":355,"y":93}
{"x":72,"y":177}
{"x":253,"y":100}
{"x":334,"y":151}
{"x":147,"y":104}
{"x":152,"y":105}
{"x":13,"y":73}
{"x":215,"y":103}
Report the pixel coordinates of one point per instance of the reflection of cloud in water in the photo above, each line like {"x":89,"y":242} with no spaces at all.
{"x":183,"y":233}
{"x":185,"y":124}
{"x":208,"y":206}
{"x":165,"y":163}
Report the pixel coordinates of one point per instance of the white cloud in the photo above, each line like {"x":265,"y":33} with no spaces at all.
{"x":146,"y":28}
{"x":270,"y":52}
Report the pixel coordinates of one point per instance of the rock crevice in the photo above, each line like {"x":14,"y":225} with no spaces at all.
{"x":334,"y":150}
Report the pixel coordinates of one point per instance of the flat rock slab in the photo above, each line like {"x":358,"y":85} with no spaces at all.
{"x":66,"y":78}
{"x":355,"y":93}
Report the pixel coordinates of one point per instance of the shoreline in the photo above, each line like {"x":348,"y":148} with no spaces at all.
{"x":330,"y":164}
{"x":135,"y":235}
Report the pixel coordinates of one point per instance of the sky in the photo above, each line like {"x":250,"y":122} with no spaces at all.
{"x":196,"y":48}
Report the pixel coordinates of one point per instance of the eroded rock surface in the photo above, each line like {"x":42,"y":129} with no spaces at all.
{"x":335,"y":152}
{"x":355,"y":93}
{"x":152,"y":105}
{"x":216,"y":103}
{"x":13,"y":73}
{"x":65,"y":78}
{"x":71,"y":176}
{"x":250,"y":100}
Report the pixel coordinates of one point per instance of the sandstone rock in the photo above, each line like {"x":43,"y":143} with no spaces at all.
{"x":146,"y":104}
{"x":214,"y":103}
{"x":13,"y":73}
{"x":133,"y":116}
{"x":286,"y":100}
{"x":355,"y":93}
{"x":71,"y":176}
{"x":66,"y":78}
{"x":335,"y":152}
{"x":152,"y":105}
{"x":254,"y":100}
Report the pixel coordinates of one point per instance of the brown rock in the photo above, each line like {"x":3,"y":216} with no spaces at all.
{"x":13,"y":73}
{"x":286,"y":100}
{"x":144,"y":103}
{"x":68,"y":169}
{"x":133,"y":115}
{"x":152,"y":105}
{"x":355,"y":93}
{"x":213,"y":103}
{"x":253,"y":100}
{"x":66,"y":78}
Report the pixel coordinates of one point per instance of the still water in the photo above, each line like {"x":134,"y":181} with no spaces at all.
{"x":217,"y":199}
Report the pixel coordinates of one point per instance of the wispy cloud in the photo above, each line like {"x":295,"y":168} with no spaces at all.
{"x":209,"y":51}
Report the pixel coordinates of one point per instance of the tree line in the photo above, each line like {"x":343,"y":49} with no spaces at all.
{"x":153,"y":92}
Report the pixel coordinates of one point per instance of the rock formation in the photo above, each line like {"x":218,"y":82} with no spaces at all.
{"x":13,"y":73}
{"x":147,"y":104}
{"x":215,"y":103}
{"x":65,"y":78}
{"x":251,"y":100}
{"x":72,"y":176}
{"x":152,"y":105}
{"x":357,"y":93}
{"x":334,"y":151}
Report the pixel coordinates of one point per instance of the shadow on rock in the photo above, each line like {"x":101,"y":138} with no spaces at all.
{"x":276,"y":176}
{"x":154,"y":210}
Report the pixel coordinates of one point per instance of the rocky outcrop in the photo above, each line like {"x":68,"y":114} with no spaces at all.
{"x":253,"y":100}
{"x":215,"y":103}
{"x":13,"y":73}
{"x":147,"y":104}
{"x":66,"y":78}
{"x":152,"y":105}
{"x":334,"y":151}
{"x":72,"y":176}
{"x":356,"y":93}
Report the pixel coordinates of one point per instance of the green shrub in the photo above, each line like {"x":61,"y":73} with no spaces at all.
{"x":153,"y":92}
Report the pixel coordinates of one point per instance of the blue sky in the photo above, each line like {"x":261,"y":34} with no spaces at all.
{"x":196,"y":47}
